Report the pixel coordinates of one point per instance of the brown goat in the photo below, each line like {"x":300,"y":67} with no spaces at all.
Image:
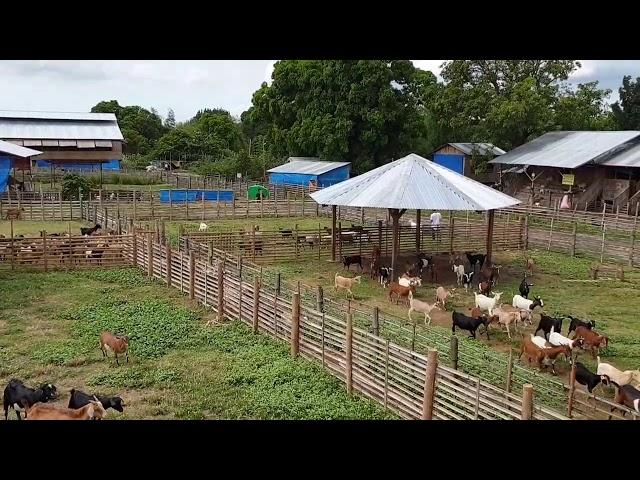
{"x":591,"y":339}
{"x":400,"y":291}
{"x":116,"y":343}
{"x":538,"y":355}
{"x":43,"y":411}
{"x":475,"y":312}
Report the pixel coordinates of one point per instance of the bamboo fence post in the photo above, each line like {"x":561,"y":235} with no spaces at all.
{"x":150,"y":255}
{"x":633,"y":236}
{"x":168,"y":257}
{"x":220,"y":292}
{"x":295,"y":325}
{"x":186,"y":202}
{"x":41,"y":204}
{"x":278,"y":278}
{"x":60,"y":203}
{"x":617,"y":215}
{"x":261,"y":206}
{"x":322,"y":338}
{"x":349,"y":354}
{"x":296,"y":238}
{"x":572,"y":388}
{"x":453,"y":352}
{"x":604,"y":231}
{"x":135,"y":205}
{"x":135,"y":249}
{"x":44,"y":249}
{"x":320,"y":299}
{"x":153,"y":215}
{"x":319,"y":240}
{"x":340,"y":240}
{"x":526,"y":232}
{"x":253,"y":242}
{"x":430,"y":384}
{"x":192,"y":276}
{"x":573,"y":239}
{"x":375,"y":321}
{"x":451,"y":227}
{"x":604,"y":211}
{"x":509,"y":371}
{"x":12,"y":249}
{"x":386,"y":375}
{"x":256,"y":302}
{"x":527,"y":402}
{"x":80,"y":199}
{"x":380,"y":235}
{"x":413,"y":337}
{"x":550,"y":233}
{"x":477,"y":406}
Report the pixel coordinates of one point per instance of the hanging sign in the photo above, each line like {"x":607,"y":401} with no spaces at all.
{"x":568,"y":179}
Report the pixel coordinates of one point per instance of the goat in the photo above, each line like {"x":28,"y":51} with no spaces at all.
{"x":116,"y":343}
{"x":203,"y":227}
{"x":473,"y":259}
{"x":406,"y":281}
{"x":613,"y":374}
{"x":556,"y":339}
{"x":92,"y":411}
{"x":485,"y":287}
{"x":525,"y":315}
{"x":506,"y":318}
{"x":587,"y":378}
{"x":19,"y":397}
{"x":459,"y":271}
{"x":80,"y":399}
{"x":576,"y":322}
{"x":628,"y":396}
{"x":541,"y":342}
{"x":470,"y":324}
{"x":90,"y":230}
{"x":422,"y":307}
{"x":524,"y":287}
{"x":345,"y":283}
{"x":490,"y":274}
{"x":526,"y":304}
{"x":530,"y":264}
{"x":547,"y":323}
{"x":442,"y":295}
{"x":534,"y":352}
{"x":384,"y":274}
{"x":475,"y":312}
{"x":400,"y":291}
{"x":466,"y":280}
{"x":347,"y":261}
{"x":592,"y":339}
{"x":486,"y":303}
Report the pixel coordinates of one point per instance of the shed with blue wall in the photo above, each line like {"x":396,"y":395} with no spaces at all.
{"x":302,"y":170}
{"x":460,"y":157}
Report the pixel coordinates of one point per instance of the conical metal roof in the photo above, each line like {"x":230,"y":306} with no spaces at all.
{"x":413,"y":182}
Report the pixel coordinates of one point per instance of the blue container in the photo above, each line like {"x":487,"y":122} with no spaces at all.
{"x":181,"y":196}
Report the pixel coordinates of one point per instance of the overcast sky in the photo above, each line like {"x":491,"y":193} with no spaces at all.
{"x":184,"y":85}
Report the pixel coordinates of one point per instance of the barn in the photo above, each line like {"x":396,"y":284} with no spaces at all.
{"x":13,"y":157}
{"x":69,"y":141}
{"x":463,"y":158}
{"x":304,"y":170}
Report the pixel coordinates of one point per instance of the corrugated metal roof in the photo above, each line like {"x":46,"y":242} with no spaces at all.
{"x":17,"y":150}
{"x":566,"y":149}
{"x":59,"y":129}
{"x":308,"y":167}
{"x":628,"y":158}
{"x":414,"y":182}
{"x":480,"y":148}
{"x":84,"y":116}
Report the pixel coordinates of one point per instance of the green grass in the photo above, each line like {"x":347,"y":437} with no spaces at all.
{"x":179,"y":368}
{"x":30,"y":228}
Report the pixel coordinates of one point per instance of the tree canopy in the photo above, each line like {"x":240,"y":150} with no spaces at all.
{"x":627,"y":110}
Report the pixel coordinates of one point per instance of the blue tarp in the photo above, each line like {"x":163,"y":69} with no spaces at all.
{"x":5,"y":170}
{"x":196,"y":195}
{"x":111,"y":165}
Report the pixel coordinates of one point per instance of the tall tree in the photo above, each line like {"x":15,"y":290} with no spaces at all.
{"x":627,"y":110}
{"x":170,"y":121}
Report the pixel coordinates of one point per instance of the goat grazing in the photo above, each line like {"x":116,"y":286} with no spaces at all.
{"x":470,"y":324}
{"x":442,"y":295}
{"x":203,"y":227}
{"x":345,"y":283}
{"x":400,"y":291}
{"x":90,"y":230}
{"x":116,"y":343}
{"x":422,"y":307}
{"x":92,"y":411}
{"x":592,"y":339}
{"x":20,"y":397}
{"x":347,"y":261}
{"x":80,"y":399}
{"x":487,"y":303}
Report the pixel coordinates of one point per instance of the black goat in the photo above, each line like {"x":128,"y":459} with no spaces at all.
{"x":524,"y":287}
{"x":546,"y":323}
{"x":576,"y":322}
{"x":477,"y":258}
{"x":470,"y":324}
{"x":384,"y":273}
{"x":79,"y":399}
{"x":466,"y":279}
{"x":20,"y":397}
{"x":586,"y":377}
{"x":627,"y":396}
{"x":347,"y":261}
{"x":90,"y":230}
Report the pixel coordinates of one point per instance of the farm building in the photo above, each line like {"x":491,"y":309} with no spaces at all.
{"x":586,"y":167}
{"x":464,"y":158}
{"x":13,"y":157}
{"x":69,"y":141}
{"x":309,"y":170}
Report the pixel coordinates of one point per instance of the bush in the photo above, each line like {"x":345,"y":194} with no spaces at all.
{"x":72,"y":184}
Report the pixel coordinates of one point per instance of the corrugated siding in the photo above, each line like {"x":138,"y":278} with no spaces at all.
{"x":308,"y":167}
{"x":59,"y":129}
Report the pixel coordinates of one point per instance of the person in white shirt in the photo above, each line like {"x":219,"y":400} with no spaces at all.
{"x":435,"y":224}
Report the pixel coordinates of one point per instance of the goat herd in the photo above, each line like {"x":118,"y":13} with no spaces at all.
{"x":33,"y":402}
{"x":487,"y":310}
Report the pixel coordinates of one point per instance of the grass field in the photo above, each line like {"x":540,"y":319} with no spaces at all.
{"x":49,"y":328}
{"x":33,"y":228}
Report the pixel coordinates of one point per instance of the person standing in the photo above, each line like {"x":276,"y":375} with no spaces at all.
{"x":435,"y":224}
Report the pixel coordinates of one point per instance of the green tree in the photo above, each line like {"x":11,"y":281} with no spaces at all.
{"x":170,"y":121}
{"x":627,"y":110}
{"x":74,"y":184}
{"x":585,"y":108}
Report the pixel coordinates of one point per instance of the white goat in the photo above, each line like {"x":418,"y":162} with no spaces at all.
{"x":628,"y":377}
{"x":556,"y":339}
{"x":203,"y":227}
{"x":459,"y":271}
{"x":526,"y":304}
{"x":540,"y":342}
{"x":407,"y":281}
{"x":346,"y":283}
{"x":507,"y":318}
{"x":525,"y":315}
{"x":485,"y":303}
{"x":442,"y":295}
{"x":422,"y":307}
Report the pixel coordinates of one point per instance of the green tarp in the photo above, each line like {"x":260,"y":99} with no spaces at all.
{"x":257,"y":191}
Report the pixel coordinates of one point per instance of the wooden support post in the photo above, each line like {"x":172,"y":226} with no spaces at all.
{"x":192,"y":276}
{"x":296,"y":239}
{"x":430,"y":385}
{"x":168,"y":257}
{"x":339,"y":240}
{"x":320,"y":299}
{"x":418,"y":228}
{"x":303,"y":197}
{"x":509,"y":371}
{"x":60,"y":201}
{"x":256,"y":302}
{"x":490,"y":222}
{"x":451,"y":235}
{"x":573,"y":239}
{"x":41,"y":204}
{"x":477,"y":406}
{"x":322,"y":338}
{"x":550,"y":233}
{"x":526,"y":232}
{"x":349,"y":354}
{"x":203,"y":205}
{"x":604,"y":211}
{"x":380,"y":235}
{"x":295,"y":325}
{"x":604,"y":232}
{"x":375,"y":321}
{"x":527,"y":402}
{"x":572,"y":387}
{"x":333,"y":233}
{"x":453,"y":352}
{"x":319,"y":241}
{"x":80,"y":200}
{"x":13,"y":252}
{"x":220,"y":292}
{"x":150,"y":255}
{"x":44,"y":249}
{"x":186,"y":203}
{"x":386,"y":375}
{"x":135,"y":249}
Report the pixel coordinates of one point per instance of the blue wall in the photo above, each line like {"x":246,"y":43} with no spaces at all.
{"x":196,"y":195}
{"x":6,"y":164}
{"x":111,"y":165}
{"x":452,"y":162}
{"x":334,"y":176}
{"x":324,"y":180}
